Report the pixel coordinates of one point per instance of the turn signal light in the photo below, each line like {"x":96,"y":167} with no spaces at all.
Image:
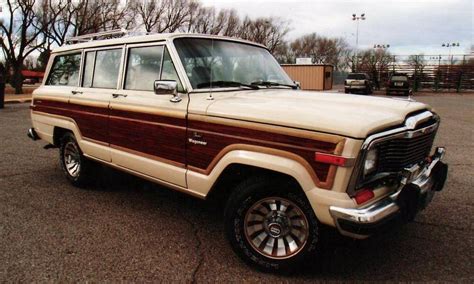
{"x":364,"y":195}
{"x":330,"y":159}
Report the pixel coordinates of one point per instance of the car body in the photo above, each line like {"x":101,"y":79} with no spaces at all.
{"x":217,"y":116}
{"x":398,"y":84}
{"x":358,"y":83}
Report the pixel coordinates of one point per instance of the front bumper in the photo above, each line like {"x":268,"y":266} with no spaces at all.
{"x":418,"y":185}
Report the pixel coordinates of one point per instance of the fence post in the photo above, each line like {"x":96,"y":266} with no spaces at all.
{"x":458,"y":87}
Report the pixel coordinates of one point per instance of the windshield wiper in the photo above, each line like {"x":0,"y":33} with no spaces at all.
{"x":226,"y":84}
{"x":271,"y":84}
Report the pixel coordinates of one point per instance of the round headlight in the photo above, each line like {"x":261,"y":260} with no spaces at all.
{"x":370,"y":163}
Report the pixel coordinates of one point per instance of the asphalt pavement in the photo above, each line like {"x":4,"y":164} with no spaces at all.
{"x":125,"y":229}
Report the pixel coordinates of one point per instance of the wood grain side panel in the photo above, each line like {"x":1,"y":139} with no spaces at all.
{"x":220,"y":139}
{"x":159,"y":139}
{"x":92,"y":121}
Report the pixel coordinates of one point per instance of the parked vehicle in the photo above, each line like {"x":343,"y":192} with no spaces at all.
{"x":358,"y":83}
{"x":211,"y":115}
{"x":398,"y":84}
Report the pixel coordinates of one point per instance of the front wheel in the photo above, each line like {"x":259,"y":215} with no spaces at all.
{"x":77,"y":169}
{"x":270,"y":224}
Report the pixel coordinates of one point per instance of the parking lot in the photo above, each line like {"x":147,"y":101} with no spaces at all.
{"x":126,"y":229}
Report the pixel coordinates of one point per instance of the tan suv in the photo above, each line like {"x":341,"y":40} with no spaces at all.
{"x":206,"y":114}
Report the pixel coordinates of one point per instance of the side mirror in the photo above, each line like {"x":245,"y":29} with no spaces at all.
{"x":162,"y":87}
{"x":298,"y":85}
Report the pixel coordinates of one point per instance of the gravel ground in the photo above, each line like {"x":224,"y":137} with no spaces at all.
{"x":126,"y":229}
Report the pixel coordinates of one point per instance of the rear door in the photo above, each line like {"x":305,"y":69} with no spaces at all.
{"x":147,"y":132}
{"x":90,"y":102}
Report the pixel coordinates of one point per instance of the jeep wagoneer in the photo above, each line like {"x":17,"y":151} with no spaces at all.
{"x":207,"y":114}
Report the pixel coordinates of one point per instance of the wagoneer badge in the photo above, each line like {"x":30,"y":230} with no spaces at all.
{"x":197,"y":142}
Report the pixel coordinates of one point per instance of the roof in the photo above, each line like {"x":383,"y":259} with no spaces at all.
{"x":144,"y":38}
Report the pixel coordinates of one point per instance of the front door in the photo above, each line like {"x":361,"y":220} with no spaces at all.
{"x":147,"y":132}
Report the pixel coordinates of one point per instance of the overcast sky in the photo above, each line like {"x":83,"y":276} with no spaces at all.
{"x":409,"y":26}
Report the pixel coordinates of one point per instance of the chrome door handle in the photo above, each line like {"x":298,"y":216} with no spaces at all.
{"x":76,"y":92}
{"x":118,"y":95}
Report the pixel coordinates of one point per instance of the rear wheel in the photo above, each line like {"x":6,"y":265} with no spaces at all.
{"x":270,"y":224}
{"x":77,"y":169}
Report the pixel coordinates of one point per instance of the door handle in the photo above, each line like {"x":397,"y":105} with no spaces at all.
{"x":118,"y":95}
{"x":76,"y":92}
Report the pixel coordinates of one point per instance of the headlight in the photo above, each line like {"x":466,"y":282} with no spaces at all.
{"x":370,"y":163}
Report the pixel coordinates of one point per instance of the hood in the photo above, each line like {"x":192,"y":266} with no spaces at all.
{"x":348,"y":115}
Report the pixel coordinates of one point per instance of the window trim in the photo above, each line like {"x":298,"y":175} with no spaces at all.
{"x":74,"y":52}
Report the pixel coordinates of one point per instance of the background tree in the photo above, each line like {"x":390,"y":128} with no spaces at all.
{"x":322,"y":50}
{"x":22,"y":35}
{"x":375,"y":63}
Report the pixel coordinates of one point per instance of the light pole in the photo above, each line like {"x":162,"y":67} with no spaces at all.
{"x":357,"y":18}
{"x":378,"y":47}
{"x":381,"y":46}
{"x":450,"y":45}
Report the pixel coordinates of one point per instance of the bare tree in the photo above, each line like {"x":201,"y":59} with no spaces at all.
{"x":375,"y":63}
{"x":163,"y":15}
{"x":268,"y":31}
{"x":322,"y":49}
{"x":21,"y":35}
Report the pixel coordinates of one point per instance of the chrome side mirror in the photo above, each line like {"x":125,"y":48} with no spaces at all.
{"x":163,"y":87}
{"x":298,"y":85}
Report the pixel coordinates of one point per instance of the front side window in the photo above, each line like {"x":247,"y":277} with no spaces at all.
{"x":106,"y":69}
{"x":147,"y":64}
{"x":209,"y":60}
{"x":143,"y":67}
{"x":65,"y":70}
{"x":169,"y":71}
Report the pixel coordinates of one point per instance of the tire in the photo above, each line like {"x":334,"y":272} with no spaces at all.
{"x":347,"y":91}
{"x":294,"y":232}
{"x":387,"y":93}
{"x":77,"y":168}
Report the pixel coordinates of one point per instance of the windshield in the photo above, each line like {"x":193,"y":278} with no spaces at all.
{"x":356,"y":76}
{"x":211,"y":63}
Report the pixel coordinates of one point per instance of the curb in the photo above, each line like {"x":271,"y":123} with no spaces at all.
{"x":18,"y":101}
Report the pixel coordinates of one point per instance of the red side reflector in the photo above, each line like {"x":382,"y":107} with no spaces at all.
{"x":364,"y":195}
{"x":330,"y":159}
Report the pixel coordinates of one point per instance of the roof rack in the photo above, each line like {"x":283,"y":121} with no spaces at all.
{"x":96,"y":36}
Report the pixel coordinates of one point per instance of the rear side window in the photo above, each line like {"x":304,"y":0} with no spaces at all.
{"x":101,"y":68}
{"x":65,"y":70}
{"x":143,"y":68}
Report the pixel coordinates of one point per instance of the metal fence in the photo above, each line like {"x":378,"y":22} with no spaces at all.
{"x":428,"y":72}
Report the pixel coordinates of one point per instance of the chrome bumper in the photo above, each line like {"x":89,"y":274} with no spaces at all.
{"x":417,"y":187}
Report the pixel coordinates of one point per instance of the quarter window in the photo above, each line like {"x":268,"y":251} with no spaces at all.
{"x":106,"y":69}
{"x":65,"y":70}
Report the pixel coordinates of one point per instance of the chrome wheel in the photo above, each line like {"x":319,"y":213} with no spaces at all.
{"x":72,"y":159}
{"x":276,"y":227}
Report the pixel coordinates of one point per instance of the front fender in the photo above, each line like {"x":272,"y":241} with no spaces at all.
{"x":284,"y":163}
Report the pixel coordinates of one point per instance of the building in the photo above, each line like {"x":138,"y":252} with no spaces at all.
{"x":314,"y":77}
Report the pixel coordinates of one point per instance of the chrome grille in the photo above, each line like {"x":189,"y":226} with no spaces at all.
{"x":398,"y":153}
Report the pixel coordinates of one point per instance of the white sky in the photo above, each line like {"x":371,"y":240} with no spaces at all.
{"x":416,"y":26}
